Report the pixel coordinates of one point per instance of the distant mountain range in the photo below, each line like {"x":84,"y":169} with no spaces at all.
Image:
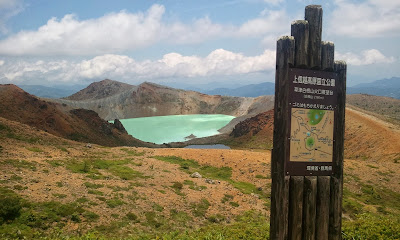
{"x":385,"y":87}
{"x":51,"y":92}
{"x":252,"y":90}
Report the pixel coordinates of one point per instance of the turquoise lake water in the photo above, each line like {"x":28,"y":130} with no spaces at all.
{"x":175,"y":128}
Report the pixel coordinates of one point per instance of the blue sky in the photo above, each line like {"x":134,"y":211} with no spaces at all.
{"x":229,"y":42}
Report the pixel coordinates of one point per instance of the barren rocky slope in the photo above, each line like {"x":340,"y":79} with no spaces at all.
{"x":61,"y":120}
{"x":148,"y":99}
{"x":102,"y":89}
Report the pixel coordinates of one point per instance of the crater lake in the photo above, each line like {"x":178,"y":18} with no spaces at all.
{"x":175,"y":128}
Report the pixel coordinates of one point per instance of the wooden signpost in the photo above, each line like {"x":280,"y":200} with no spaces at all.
{"x":307,"y":156}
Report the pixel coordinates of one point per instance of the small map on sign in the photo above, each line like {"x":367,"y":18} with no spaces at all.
{"x":311,"y":136}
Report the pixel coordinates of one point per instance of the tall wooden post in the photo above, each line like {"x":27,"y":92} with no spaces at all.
{"x":307,"y":157}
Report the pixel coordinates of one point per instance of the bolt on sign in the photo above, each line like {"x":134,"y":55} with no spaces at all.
{"x":312,"y":105}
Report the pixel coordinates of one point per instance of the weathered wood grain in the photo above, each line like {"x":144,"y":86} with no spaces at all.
{"x":323,"y":200}
{"x":335,"y":208}
{"x":327,"y":56}
{"x":309,"y":207}
{"x":313,"y":15}
{"x":300,"y":32}
{"x":280,"y":182}
{"x":296,"y":207}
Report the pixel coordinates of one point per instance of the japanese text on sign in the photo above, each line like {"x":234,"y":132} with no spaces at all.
{"x":312,"y":106}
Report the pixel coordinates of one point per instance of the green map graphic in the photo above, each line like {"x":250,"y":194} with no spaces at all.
{"x":311,"y":135}
{"x":315,"y":116}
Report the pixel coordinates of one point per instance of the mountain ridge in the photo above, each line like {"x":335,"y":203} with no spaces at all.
{"x":101,"y":89}
{"x":60,"y":120}
{"x":150,"y":99}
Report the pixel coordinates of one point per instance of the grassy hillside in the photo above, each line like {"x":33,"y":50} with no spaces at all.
{"x":385,"y":108}
{"x":61,"y":189}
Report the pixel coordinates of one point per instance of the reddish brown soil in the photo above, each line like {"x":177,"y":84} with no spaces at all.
{"x":255,"y":132}
{"x":368,"y":137}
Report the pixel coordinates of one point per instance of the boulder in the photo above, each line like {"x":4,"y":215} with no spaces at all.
{"x":118,"y":125}
{"x":210,"y":181}
{"x":195,"y":175}
{"x":191,"y":136}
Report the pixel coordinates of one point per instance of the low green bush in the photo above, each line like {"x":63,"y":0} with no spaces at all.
{"x":369,"y":226}
{"x":10,"y":205}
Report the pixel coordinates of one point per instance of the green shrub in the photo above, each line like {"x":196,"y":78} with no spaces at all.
{"x":132,"y":152}
{"x":261,"y":176}
{"x":75,"y":217}
{"x":95,"y":192}
{"x":192,"y":185}
{"x":34,"y":149}
{"x":368,"y":226}
{"x":82,"y":200}
{"x":216,"y":218}
{"x":177,"y":185}
{"x":10,"y":205}
{"x":180,"y":217}
{"x":59,"y":195}
{"x":20,"y":187}
{"x":154,"y":220}
{"x":93,"y":185}
{"x":200,"y":209}
{"x":125,"y":172}
{"x":115,"y":202}
{"x":131,"y":216}
{"x":226,"y":198}
{"x":91,"y":216}
{"x":15,"y":178}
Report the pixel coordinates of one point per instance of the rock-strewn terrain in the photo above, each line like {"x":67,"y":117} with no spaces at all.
{"x":112,"y":100}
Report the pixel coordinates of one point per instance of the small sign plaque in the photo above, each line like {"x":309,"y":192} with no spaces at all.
{"x":312,"y":108}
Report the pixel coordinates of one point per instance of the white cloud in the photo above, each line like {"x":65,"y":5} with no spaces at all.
{"x":268,"y":22}
{"x":218,"y":63}
{"x":366,"y":57}
{"x":122,"y":31}
{"x":273,"y":2}
{"x":8,"y":9}
{"x":69,"y":36}
{"x":372,"y":18}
